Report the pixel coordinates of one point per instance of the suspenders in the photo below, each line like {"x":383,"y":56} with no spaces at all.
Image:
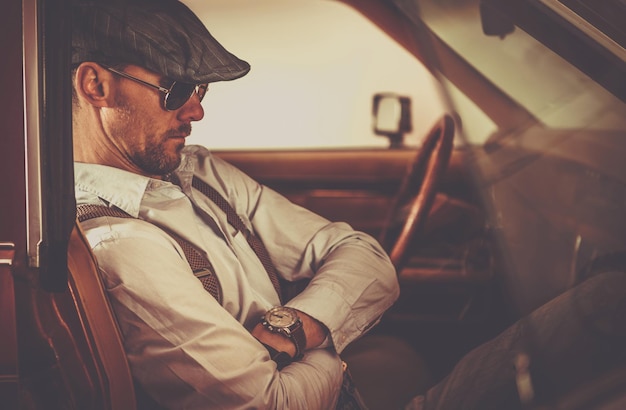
{"x":236,"y":222}
{"x":199,"y":264}
{"x":349,"y":397}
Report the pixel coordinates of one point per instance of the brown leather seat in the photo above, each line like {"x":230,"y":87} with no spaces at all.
{"x":112,"y":373}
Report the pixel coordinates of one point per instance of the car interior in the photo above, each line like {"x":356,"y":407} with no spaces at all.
{"x":512,"y":193}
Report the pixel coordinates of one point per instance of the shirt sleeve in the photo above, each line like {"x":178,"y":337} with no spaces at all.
{"x":182,"y":346}
{"x":353,"y":282}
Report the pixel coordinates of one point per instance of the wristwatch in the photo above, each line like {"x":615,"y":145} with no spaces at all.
{"x":285,"y":320}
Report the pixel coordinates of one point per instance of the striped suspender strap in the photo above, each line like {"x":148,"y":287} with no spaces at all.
{"x":199,"y":264}
{"x":236,"y":222}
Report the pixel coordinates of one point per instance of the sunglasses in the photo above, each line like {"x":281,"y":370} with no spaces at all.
{"x":176,"y":96}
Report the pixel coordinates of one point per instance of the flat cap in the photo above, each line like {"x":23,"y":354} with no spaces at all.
{"x":163,"y":36}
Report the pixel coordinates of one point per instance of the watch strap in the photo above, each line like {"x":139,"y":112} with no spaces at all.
{"x":282,"y":359}
{"x":298,"y":337}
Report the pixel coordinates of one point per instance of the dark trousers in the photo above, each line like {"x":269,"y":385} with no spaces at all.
{"x":544,"y":359}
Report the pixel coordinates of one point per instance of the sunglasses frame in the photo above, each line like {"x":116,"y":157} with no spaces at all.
{"x":199,"y":89}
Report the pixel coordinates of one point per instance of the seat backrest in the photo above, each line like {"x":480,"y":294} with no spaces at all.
{"x":99,"y":325}
{"x":70,"y":352}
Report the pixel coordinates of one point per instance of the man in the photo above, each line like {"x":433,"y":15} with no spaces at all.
{"x":141,"y":69}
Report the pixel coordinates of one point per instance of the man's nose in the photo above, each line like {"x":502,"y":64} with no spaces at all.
{"x":192,"y":110}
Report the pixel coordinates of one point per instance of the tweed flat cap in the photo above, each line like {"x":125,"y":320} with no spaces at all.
{"x":163,"y":36}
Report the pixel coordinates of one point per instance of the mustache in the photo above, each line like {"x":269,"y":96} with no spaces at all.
{"x":184,"y":130}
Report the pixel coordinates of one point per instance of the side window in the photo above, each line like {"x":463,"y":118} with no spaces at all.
{"x":313,"y":78}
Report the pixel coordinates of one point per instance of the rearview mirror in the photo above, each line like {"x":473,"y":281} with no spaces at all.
{"x":392,"y":117}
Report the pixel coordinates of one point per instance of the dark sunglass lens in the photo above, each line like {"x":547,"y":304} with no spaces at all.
{"x":179,"y":95}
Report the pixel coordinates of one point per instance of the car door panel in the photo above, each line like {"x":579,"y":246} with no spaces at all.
{"x":354,"y":186}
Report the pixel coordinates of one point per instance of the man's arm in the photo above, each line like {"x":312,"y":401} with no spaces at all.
{"x":352,"y":279}
{"x":182,"y":346}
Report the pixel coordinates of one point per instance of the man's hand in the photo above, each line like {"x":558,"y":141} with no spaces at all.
{"x":315,"y":333}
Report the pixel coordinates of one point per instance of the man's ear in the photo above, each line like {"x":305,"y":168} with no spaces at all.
{"x":93,"y":84}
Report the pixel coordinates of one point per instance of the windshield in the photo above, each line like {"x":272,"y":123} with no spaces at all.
{"x":551,"y":136}
{"x":549,"y":87}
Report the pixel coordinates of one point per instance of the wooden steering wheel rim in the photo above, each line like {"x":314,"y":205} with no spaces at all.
{"x":429,"y":165}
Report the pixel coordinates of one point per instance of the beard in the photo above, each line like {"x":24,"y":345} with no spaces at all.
{"x":157,"y":153}
{"x":158,"y":157}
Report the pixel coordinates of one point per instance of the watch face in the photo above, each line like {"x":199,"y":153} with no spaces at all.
{"x":281,"y":316}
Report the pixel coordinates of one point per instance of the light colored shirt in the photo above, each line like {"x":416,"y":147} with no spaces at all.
{"x":185,"y":349}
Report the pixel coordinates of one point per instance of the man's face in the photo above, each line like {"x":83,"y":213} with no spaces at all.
{"x":151,"y":137}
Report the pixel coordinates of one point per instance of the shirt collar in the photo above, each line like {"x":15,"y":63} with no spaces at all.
{"x":126,"y":190}
{"x":120,"y":188}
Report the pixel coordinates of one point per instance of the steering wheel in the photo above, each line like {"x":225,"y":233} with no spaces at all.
{"x":425,"y":171}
